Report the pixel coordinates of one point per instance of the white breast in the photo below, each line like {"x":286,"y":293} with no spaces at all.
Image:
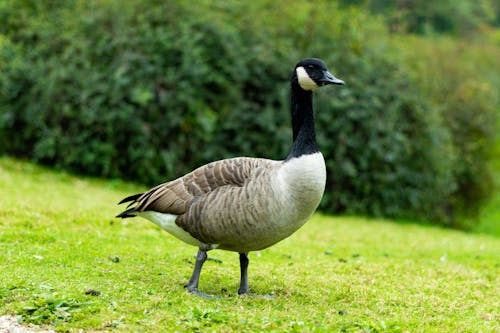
{"x":305,"y":173}
{"x":301,"y":183}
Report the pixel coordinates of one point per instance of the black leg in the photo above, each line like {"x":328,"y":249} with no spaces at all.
{"x":244,"y":275}
{"x":192,"y":285}
{"x":243,"y":290}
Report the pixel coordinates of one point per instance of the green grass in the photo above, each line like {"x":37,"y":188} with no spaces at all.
{"x":58,"y":239}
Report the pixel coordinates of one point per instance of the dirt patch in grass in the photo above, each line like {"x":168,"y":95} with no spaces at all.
{"x":9,"y":324}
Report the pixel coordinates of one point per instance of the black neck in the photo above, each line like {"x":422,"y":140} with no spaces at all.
{"x":304,"y":133}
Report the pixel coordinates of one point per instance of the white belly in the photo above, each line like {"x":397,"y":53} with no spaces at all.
{"x":167,"y":223}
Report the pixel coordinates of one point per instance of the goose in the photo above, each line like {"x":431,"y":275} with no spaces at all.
{"x":245,"y":204}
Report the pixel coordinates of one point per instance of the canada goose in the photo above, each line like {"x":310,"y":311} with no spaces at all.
{"x":245,"y":204}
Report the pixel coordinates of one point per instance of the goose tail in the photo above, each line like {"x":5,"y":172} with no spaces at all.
{"x":130,"y":211}
{"x":132,"y":198}
{"x":127,"y":213}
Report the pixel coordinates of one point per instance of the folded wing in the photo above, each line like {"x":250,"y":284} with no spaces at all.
{"x":175,"y":196}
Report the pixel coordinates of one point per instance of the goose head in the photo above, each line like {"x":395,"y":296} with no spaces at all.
{"x":312,"y":73}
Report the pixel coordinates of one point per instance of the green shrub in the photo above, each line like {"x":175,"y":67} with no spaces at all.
{"x":444,"y":16}
{"x":148,"y":90}
{"x":459,"y":80}
{"x":391,"y":154}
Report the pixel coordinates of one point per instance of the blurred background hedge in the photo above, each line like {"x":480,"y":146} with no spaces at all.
{"x":148,"y":90}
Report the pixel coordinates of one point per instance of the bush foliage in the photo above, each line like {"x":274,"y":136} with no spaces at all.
{"x":428,"y":17}
{"x":147,"y":90}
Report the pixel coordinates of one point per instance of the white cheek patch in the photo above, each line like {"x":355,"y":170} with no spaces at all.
{"x":305,"y":80}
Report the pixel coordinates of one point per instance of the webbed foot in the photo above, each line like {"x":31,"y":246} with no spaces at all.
{"x":201,"y":294}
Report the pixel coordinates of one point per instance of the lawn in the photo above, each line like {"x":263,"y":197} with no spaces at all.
{"x":67,"y":264}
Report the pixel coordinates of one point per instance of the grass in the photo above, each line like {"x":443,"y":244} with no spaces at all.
{"x":59,"y":243}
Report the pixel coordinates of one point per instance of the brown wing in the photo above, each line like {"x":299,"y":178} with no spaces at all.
{"x":174,"y":196}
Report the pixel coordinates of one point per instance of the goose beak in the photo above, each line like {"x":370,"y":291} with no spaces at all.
{"x":328,"y":78}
